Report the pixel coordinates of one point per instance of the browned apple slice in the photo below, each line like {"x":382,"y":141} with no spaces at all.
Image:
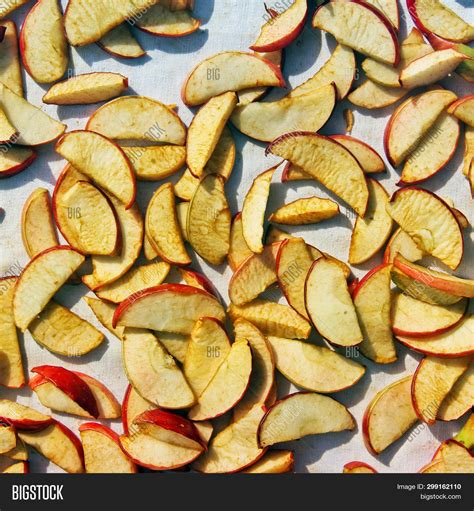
{"x":371,"y":95}
{"x":414,"y":318}
{"x":372,"y":301}
{"x":302,"y":414}
{"x":272,"y":319}
{"x":58,"y":444}
{"x":152,"y":163}
{"x":309,"y":210}
{"x":43,"y":43}
{"x":460,"y":398}
{"x":208,"y":223}
{"x":267,"y":121}
{"x":230,"y":71}
{"x":61,"y":331}
{"x":314,"y":368}
{"x":430,"y":222}
{"x":369,"y":159}
{"x":133,"y":405}
{"x":463,"y":109}
{"x":40,"y":280}
{"x":22,"y":417}
{"x":433,"y":380}
{"x":120,"y":42}
{"x":329,"y":304}
{"x":138,"y":118}
{"x":389,"y":416}
{"x":161,"y":20}
{"x":327,"y":161}
{"x":274,"y":462}
{"x":358,"y":467}
{"x":15,"y":160}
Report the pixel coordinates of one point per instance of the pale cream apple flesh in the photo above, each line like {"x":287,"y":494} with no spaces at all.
{"x":120,"y":42}
{"x":460,"y":398}
{"x":309,"y":210}
{"x":401,"y":243}
{"x":239,"y":251}
{"x":10,"y":69}
{"x":160,"y":20}
{"x":372,"y":95}
{"x":463,"y":109}
{"x":152,"y":163}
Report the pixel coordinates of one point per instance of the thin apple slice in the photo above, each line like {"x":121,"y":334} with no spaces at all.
{"x":15,"y":160}
{"x":433,"y":380}
{"x":208,"y":222}
{"x":327,"y":161}
{"x":430,"y":222}
{"x":402,"y":244}
{"x":152,"y":163}
{"x":161,"y":20}
{"x":433,"y":16}
{"x":7,"y":438}
{"x":302,"y":414}
{"x":8,"y":133}
{"x":40,"y":280}
{"x":358,"y":467}
{"x":456,"y":458}
{"x":460,"y":398}
{"x":228,"y":385}
{"x":253,"y":210}
{"x":17,"y":468}
{"x":138,"y":118}
{"x":153,"y":372}
{"x":231,"y":71}
{"x":238,"y":249}
{"x":208,"y":348}
{"x":87,"y":151}
{"x":58,"y":444}
{"x":175,"y":344}
{"x":344,"y":20}
{"x":22,"y":417}
{"x":133,"y":405}
{"x":120,"y":42}
{"x":19,"y":452}
{"x":267,"y":121}
{"x":463,"y":109}
{"x":414,"y":318}
{"x":102,"y":452}
{"x":372,"y":301}
{"x":104,"y":312}
{"x":411,"y":121}
{"x":372,"y":95}
{"x":314,"y":368}
{"x":369,"y":159}
{"x":64,"y":333}
{"x":309,"y":210}
{"x":274,"y":462}
{"x":10,"y":70}
{"x":329,"y":304}
{"x":6,"y":9}
{"x":272,"y":319}
{"x":196,"y":279}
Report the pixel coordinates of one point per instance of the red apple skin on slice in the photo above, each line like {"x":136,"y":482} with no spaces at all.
{"x":10,"y":69}
{"x":460,"y":399}
{"x":132,"y":406}
{"x":17,"y":468}
{"x":15,"y":160}
{"x":274,"y":462}
{"x":358,"y":467}
{"x":369,"y":159}
{"x":22,"y":417}
{"x":121,"y":43}
{"x":463,"y":109}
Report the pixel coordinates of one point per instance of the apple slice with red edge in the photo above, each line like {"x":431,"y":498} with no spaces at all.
{"x":273,"y":462}
{"x":463,"y":109}
{"x":153,"y":163}
{"x":460,"y":398}
{"x":133,"y":405}
{"x":17,"y":468}
{"x":196,"y":279}
{"x":120,"y":42}
{"x":402,"y":244}
{"x":456,"y":458}
{"x":15,"y":159}
{"x":369,"y":159}
{"x":372,"y":95}
{"x":161,"y":20}
{"x":10,"y":7}
{"x":7,"y":438}
{"x":239,"y":251}
{"x":22,"y":417}
{"x":10,"y":69}
{"x":358,"y":467}
{"x":305,"y":211}
{"x":104,"y":312}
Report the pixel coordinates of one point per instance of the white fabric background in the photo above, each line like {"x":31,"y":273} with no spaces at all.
{"x":234,"y":25}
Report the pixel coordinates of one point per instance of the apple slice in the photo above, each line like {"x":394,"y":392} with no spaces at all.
{"x":309,"y":210}
{"x":327,"y":161}
{"x":272,"y":319}
{"x":358,"y":467}
{"x":230,"y":71}
{"x":208,"y":348}
{"x":104,"y":312}
{"x":175,"y":344}
{"x":372,"y":95}
{"x":411,"y":121}
{"x":372,"y":301}
{"x":369,"y":159}
{"x":456,"y":458}
{"x":133,"y":405}
{"x":58,"y":444}
{"x":196,"y":279}
{"x":40,"y":280}
{"x":102,"y":452}
{"x":8,"y":133}
{"x":17,"y":468}
{"x":344,"y":20}
{"x":402,"y":244}
{"x":466,"y":434}
{"x":15,"y":159}
{"x":161,"y":20}
{"x":466,"y":68}
{"x":22,"y":417}
{"x":253,"y":210}
{"x":152,"y":163}
{"x":314,"y":368}
{"x":238,"y":249}
{"x":120,"y":42}
{"x":267,"y":121}
{"x":371,"y":232}
{"x":228,"y":385}
{"x":87,"y":151}
{"x":329,"y":304}
{"x":460,"y":398}
{"x":138,"y":118}
{"x":414,"y":318}
{"x":433,"y":16}
{"x":64,"y":333}
{"x":7,"y":438}
{"x":274,"y":462}
{"x":19,"y":452}
{"x":301,"y":414}
{"x":463,"y":109}
{"x":389,"y":8}
{"x":433,"y":380}
{"x":10,"y":70}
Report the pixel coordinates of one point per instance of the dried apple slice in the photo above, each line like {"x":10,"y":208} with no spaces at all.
{"x":19,"y":452}
{"x":120,"y":42}
{"x":8,"y":133}
{"x":344,"y":21}
{"x":104,"y":312}
{"x":329,"y":304}
{"x":199,"y":280}
{"x":138,"y":118}
{"x":371,"y":232}
{"x":327,"y":161}
{"x":460,"y":398}
{"x":231,"y":71}
{"x":369,"y":159}
{"x":314,"y":368}
{"x":10,"y":70}
{"x":7,"y":438}
{"x":160,"y":20}
{"x":17,"y":468}
{"x":274,"y":462}
{"x":22,"y":417}
{"x":372,"y":301}
{"x":15,"y":159}
{"x":40,"y":280}
{"x":208,"y":223}
{"x":102,"y":452}
{"x":389,"y":416}
{"x":463,"y":109}
{"x":270,"y":120}
{"x":152,"y":163}
{"x":456,"y":459}
{"x":358,"y":467}
{"x":6,"y":9}
{"x":153,"y":372}
{"x":175,"y":344}
{"x":238,"y":249}
{"x":402,"y":244}
{"x":309,"y":210}
{"x":372,"y":95}
{"x":43,"y":43}
{"x":133,"y":405}
{"x":64,"y":333}
{"x":302,"y":414}
{"x":389,"y":8}
{"x":430,"y":222}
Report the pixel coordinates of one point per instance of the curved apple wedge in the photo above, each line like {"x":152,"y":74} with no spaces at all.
{"x":153,"y":163}
{"x":232,"y":71}
{"x":39,"y":281}
{"x":390,"y":9}
{"x":102,"y":451}
{"x":402,"y":244}
{"x":389,"y":416}
{"x":358,"y":467}
{"x":369,"y":159}
{"x":120,"y":42}
{"x":161,"y":20}
{"x":266,"y":121}
{"x":239,"y":251}
{"x":15,"y":160}
{"x":58,"y":444}
{"x":463,"y":109}
{"x":314,"y":368}
{"x":22,"y":417}
{"x":372,"y":95}
{"x":133,"y":405}
{"x":456,"y":458}
{"x":327,"y":161}
{"x":302,"y":414}
{"x":228,"y":385}
{"x":7,"y":438}
{"x":372,"y":300}
{"x":460,"y":398}
{"x":309,"y":210}
{"x":17,"y":468}
{"x":10,"y":69}
{"x":329,"y":304}
{"x":274,"y":462}
{"x":344,"y":20}
{"x":8,"y":133}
